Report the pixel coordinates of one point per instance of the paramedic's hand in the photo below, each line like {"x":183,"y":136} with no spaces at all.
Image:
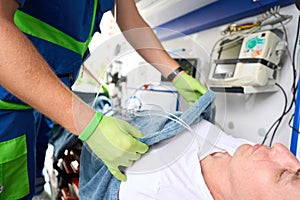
{"x":114,"y":142}
{"x":189,"y":88}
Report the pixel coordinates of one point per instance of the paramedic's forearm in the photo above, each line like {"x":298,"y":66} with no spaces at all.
{"x":142,"y":38}
{"x":25,"y":73}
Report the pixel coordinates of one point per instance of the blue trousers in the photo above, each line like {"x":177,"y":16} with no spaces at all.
{"x":24,"y":135}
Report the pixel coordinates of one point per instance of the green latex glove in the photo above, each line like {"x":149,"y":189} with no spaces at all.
{"x":189,"y":88}
{"x":114,"y":142}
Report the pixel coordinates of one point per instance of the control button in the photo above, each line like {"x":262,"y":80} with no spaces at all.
{"x":251,"y":43}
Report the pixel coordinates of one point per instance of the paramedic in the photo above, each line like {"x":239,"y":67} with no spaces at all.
{"x":43,"y":44}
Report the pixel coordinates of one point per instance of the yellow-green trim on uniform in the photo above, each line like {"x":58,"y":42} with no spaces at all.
{"x":37,"y":28}
{"x":12,"y":106}
{"x":14,"y":180}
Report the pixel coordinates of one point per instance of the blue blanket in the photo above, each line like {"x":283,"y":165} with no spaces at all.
{"x":96,"y":182}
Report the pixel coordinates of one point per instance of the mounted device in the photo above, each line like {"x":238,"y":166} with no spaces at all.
{"x":247,"y":63}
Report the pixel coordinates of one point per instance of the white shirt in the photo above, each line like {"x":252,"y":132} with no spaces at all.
{"x":171,"y":169}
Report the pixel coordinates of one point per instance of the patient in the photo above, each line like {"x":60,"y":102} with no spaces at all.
{"x":213,"y":165}
{"x":203,"y":163}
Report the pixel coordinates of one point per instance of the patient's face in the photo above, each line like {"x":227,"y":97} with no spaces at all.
{"x":260,"y":172}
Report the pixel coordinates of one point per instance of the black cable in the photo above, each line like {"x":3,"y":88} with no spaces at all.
{"x":296,"y":43}
{"x":278,"y":121}
{"x":293,"y":128}
{"x":281,"y":117}
{"x":294,"y":86}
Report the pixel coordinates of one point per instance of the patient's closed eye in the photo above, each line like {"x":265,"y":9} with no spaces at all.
{"x":287,"y":175}
{"x":282,"y":173}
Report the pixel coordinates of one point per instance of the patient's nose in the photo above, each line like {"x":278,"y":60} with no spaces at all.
{"x":282,"y":155}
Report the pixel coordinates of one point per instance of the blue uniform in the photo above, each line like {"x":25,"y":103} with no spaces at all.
{"x":21,"y":129}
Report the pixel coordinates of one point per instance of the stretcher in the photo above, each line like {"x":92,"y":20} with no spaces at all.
{"x":64,"y":174}
{"x":64,"y":179}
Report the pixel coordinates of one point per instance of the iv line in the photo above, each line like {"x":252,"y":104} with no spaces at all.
{"x":165,"y":114}
{"x":161,"y":113}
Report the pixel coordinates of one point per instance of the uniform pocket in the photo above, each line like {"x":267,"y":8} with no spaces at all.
{"x":14,"y":183}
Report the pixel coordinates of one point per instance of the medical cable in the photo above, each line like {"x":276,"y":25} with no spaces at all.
{"x":144,"y":110}
{"x":281,"y":117}
{"x":294,"y":86}
{"x":251,"y":28}
{"x":278,"y":121}
{"x":207,"y":144}
{"x":143,"y":86}
{"x":275,"y":12}
{"x":255,"y":27}
{"x":294,"y":63}
{"x":162,"y":113}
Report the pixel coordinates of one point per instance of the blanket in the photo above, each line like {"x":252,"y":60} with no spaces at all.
{"x":95,"y":180}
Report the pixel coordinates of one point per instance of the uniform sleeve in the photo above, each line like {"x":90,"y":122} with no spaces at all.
{"x":106,"y":5}
{"x":21,"y":2}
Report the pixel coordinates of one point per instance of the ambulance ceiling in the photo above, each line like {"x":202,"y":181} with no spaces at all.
{"x":187,"y":18}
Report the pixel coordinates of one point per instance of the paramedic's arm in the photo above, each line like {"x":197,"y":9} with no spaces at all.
{"x":25,"y":73}
{"x":142,"y":38}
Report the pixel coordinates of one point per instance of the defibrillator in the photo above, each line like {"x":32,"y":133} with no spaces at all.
{"x":248,"y":63}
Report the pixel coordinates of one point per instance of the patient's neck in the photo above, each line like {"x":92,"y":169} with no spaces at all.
{"x":214,"y":171}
